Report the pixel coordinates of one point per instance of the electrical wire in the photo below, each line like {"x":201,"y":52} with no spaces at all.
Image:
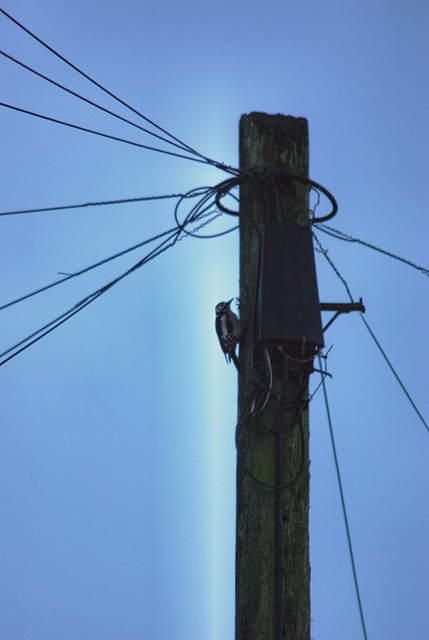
{"x":205,"y":206}
{"x":99,"y":133}
{"x":318,"y":187}
{"x":99,"y":86}
{"x":278,"y":505}
{"x":266,"y":387}
{"x":174,"y":235}
{"x":183,"y":145}
{"x":334,"y":268}
{"x":93,"y":266}
{"x":93,"y":204}
{"x":340,"y":235}
{"x":203,"y":209}
{"x":285,"y":175}
{"x":48,"y":328}
{"x":280,"y":180}
{"x":44,"y":331}
{"x":90,"y":102}
{"x":283,"y":405}
{"x":325,"y":253}
{"x":324,"y":372}
{"x":291,"y":483}
{"x":343,"y":504}
{"x":288,"y":485}
{"x":393,"y":371}
{"x":177,"y":142}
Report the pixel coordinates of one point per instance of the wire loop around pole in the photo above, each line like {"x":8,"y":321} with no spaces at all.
{"x":283,"y":175}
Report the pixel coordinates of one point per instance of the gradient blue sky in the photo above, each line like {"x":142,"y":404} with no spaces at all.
{"x":117,"y":430}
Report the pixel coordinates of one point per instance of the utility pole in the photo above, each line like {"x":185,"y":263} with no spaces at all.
{"x":272,"y":548}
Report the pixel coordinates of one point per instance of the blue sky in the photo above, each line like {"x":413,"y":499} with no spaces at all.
{"x":117,"y":431}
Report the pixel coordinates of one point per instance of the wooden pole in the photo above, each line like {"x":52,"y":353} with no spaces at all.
{"x":272,"y":548}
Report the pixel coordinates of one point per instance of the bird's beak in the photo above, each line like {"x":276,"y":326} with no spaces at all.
{"x":229,"y":301}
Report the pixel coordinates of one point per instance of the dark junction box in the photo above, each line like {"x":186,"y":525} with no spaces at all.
{"x":288,"y":307}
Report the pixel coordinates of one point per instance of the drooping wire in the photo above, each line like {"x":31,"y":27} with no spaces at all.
{"x":264,"y":388}
{"x":93,"y":266}
{"x":334,"y":268}
{"x":324,"y":373}
{"x":312,"y":211}
{"x":288,"y":485}
{"x":45,"y":330}
{"x":325,"y":253}
{"x":173,"y":236}
{"x":343,"y":504}
{"x":204,"y":204}
{"x":93,"y":204}
{"x":279,"y":584}
{"x":340,"y":235}
{"x":204,"y":209}
{"x":328,"y":194}
{"x":283,"y":404}
{"x":48,"y":328}
{"x":100,"y":133}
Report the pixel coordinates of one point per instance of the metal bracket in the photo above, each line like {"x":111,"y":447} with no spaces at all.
{"x":340,"y":307}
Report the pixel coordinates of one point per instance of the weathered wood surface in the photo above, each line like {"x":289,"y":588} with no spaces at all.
{"x":278,"y":141}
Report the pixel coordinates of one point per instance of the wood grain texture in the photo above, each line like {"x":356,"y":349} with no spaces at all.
{"x":278,"y":141}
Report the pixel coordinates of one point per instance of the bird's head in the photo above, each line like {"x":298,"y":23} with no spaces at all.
{"x":222,"y":306}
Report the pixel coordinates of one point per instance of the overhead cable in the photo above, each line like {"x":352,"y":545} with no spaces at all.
{"x":340,"y":235}
{"x":343,"y":504}
{"x":203,"y":210}
{"x":99,"y":133}
{"x":93,"y":266}
{"x":173,"y":236}
{"x":93,"y":204}
{"x":93,"y":104}
{"x":394,"y":372}
{"x":183,"y":145}
{"x":325,"y":253}
{"x":48,"y":328}
{"x":97,"y":84}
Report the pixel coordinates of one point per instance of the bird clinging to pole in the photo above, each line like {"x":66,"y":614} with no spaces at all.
{"x":228,"y":329}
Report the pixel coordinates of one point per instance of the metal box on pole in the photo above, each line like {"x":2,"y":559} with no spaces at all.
{"x":288,"y":315}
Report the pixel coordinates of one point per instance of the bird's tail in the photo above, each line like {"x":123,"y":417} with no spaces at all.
{"x":236,"y":361}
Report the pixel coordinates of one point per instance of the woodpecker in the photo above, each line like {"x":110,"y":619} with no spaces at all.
{"x":228,"y":329}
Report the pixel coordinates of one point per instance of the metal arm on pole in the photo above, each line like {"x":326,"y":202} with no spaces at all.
{"x":340,"y":307}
